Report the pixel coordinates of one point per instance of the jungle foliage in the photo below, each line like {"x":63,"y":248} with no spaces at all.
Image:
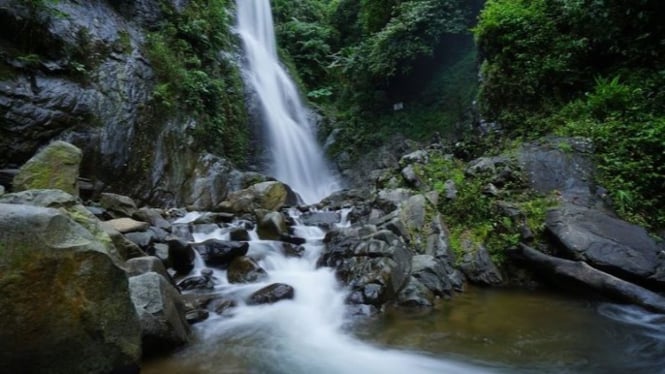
{"x":584,"y":67}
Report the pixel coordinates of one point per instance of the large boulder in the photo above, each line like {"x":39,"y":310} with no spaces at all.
{"x":265,"y":195}
{"x":563,"y":165}
{"x":375,"y":264}
{"x":245,"y":270}
{"x":161,"y":312}
{"x":65,"y":304}
{"x":271,"y":294}
{"x":608,"y":243}
{"x":271,"y":225}
{"x":71,"y":206}
{"x":118,"y":206}
{"x":54,"y":167}
{"x":220,"y":252}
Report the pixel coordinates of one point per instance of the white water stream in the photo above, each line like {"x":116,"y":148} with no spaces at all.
{"x":295,"y":156}
{"x":306,"y":334}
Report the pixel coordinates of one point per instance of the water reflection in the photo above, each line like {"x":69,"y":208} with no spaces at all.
{"x":529,"y":332}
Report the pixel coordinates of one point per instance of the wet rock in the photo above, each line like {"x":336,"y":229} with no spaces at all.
{"x":143,"y":239}
{"x":290,"y":250}
{"x":54,"y":167}
{"x":291,"y":239}
{"x":204,"y":281}
{"x":211,"y":217}
{"x":435,"y":274}
{"x":607,"y":243}
{"x":222,"y":306}
{"x":271,"y":294}
{"x":415,"y":294}
{"x":477,"y":265}
{"x":245,"y":270}
{"x":182,"y":231}
{"x":152,"y":216}
{"x":239,"y":235}
{"x":52,"y":272}
{"x":581,"y":276}
{"x":161,"y":312}
{"x":126,"y":225}
{"x":271,"y":226}
{"x":181,"y":256}
{"x":266,"y":195}
{"x":325,"y":220}
{"x":196,"y":315}
{"x":118,"y":206}
{"x":363,"y":256}
{"x":219,"y":252}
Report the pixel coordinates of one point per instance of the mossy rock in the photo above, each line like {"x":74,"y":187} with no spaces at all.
{"x":65,"y":304}
{"x":54,"y":167}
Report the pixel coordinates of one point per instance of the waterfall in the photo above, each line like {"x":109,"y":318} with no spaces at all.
{"x":296,"y":158}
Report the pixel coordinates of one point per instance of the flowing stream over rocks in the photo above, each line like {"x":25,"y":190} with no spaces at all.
{"x":311,"y":329}
{"x":296,"y":158}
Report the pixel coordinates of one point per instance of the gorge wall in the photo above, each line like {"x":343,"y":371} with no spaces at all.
{"x":83,"y":71}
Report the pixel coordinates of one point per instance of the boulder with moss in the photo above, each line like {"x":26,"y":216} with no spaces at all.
{"x":54,"y":167}
{"x":265,"y":195}
{"x":65,"y":303}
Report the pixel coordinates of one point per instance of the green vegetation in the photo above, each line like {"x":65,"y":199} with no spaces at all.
{"x":194,"y":77}
{"x":357,"y":58}
{"x":590,"y":68}
{"x":497,"y":221}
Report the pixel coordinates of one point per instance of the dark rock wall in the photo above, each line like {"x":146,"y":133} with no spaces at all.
{"x":77,"y":71}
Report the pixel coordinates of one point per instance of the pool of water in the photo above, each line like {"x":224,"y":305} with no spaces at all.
{"x":479,"y":331}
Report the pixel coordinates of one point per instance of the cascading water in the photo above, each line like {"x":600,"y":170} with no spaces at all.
{"x":296,"y":158}
{"x":306,"y":334}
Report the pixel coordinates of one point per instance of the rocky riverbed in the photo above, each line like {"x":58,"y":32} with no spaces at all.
{"x":122,"y":282}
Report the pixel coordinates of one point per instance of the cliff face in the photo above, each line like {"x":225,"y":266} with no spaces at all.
{"x":79,"y":71}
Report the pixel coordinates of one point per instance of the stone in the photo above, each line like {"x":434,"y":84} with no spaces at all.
{"x":411,"y":177}
{"x":212,"y":217}
{"x":364,"y":257}
{"x":477,"y":265}
{"x":118,"y":206}
{"x":65,"y":303}
{"x":143,"y":239}
{"x":271,"y":196}
{"x":420,"y":156}
{"x":126,"y":248}
{"x":72,"y":207}
{"x":239,"y":234}
{"x":271,"y":226}
{"x":245,"y":270}
{"x":607,"y":243}
{"x":271,"y":294}
{"x":219,"y":252}
{"x":125,"y":225}
{"x":153,"y":216}
{"x":570,"y":173}
{"x":2,"y":190}
{"x":196,"y":315}
{"x":146,"y":264}
{"x":204,"y":281}
{"x":161,"y":313}
{"x":325,"y":220}
{"x":181,"y":256}
{"x":56,"y":166}
{"x":450,"y":190}
{"x":415,"y":294}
